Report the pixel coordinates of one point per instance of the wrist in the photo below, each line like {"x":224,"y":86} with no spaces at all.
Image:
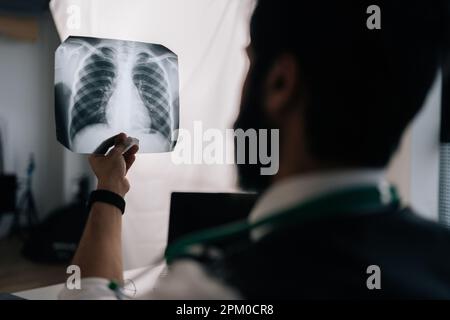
{"x":117,"y":188}
{"x":106,"y":197}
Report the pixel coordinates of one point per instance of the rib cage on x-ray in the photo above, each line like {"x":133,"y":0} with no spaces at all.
{"x":95,"y":87}
{"x":152,"y":85}
{"x":116,"y":86}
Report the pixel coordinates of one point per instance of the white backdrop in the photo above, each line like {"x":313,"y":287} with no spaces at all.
{"x":209,"y":37}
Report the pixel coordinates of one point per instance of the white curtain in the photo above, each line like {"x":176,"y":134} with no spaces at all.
{"x":209,"y":37}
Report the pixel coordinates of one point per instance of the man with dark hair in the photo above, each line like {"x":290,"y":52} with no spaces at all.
{"x":356,"y":89}
{"x":327,"y":225}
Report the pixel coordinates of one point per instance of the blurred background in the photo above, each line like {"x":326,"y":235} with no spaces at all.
{"x":43,"y":186}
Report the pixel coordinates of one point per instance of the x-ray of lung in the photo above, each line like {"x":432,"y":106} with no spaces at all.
{"x":104,"y":87}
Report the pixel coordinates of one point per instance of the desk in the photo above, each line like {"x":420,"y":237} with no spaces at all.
{"x":144,"y":279}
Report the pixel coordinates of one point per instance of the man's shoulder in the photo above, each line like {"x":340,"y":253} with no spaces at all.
{"x":329,"y":257}
{"x":399,"y":227}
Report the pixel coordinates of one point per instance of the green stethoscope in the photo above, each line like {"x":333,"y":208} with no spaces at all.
{"x":364,"y":199}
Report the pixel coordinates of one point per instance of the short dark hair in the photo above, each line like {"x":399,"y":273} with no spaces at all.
{"x":363,"y":86}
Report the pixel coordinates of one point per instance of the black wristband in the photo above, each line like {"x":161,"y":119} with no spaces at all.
{"x":108,"y":197}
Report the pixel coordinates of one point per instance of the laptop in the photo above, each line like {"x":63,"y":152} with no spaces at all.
{"x":191,"y":212}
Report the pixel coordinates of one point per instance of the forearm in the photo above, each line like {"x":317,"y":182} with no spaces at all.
{"x":99,"y":253}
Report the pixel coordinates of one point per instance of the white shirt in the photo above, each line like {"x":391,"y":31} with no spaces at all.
{"x":188,"y":280}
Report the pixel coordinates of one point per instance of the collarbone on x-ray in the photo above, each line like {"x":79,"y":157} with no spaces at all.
{"x":116,"y":86}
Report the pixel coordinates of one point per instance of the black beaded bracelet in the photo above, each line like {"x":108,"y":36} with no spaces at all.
{"x":108,"y":197}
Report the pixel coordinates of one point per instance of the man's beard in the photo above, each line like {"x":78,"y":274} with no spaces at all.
{"x":252,"y":116}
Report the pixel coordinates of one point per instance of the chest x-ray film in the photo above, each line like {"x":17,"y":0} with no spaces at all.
{"x":104,"y":87}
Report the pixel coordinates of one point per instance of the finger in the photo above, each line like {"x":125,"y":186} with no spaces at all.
{"x":121,"y":138}
{"x":120,"y":143}
{"x":130,"y":156}
{"x":103,"y":148}
{"x":129,"y":160}
{"x":133,"y":150}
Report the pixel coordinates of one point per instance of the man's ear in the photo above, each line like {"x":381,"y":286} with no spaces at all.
{"x":281,"y":87}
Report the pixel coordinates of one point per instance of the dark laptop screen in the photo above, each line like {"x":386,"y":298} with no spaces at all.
{"x":190,"y":212}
